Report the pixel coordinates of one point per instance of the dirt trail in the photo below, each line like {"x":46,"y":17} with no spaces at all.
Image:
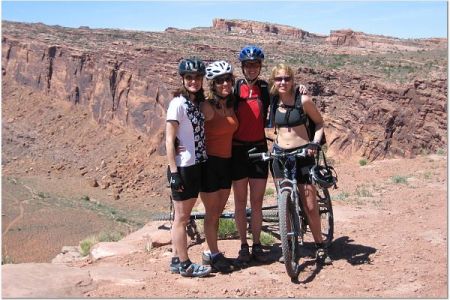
{"x":390,"y":241}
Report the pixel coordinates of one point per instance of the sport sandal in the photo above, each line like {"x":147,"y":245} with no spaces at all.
{"x":244,"y":254}
{"x":221,"y":264}
{"x":322,"y":257}
{"x":258,"y":253}
{"x":175,"y":265}
{"x":195,"y":270}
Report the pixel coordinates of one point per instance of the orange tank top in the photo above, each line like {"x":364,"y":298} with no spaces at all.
{"x":219,"y":135}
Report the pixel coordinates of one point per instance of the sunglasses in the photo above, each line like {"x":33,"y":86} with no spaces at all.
{"x":193,"y":77}
{"x":281,"y":78}
{"x":223,"y":79}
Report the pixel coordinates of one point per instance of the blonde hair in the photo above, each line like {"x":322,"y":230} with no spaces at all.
{"x":288,"y":70}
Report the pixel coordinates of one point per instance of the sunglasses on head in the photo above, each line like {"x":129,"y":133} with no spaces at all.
{"x":221,"y":80}
{"x":281,"y":78}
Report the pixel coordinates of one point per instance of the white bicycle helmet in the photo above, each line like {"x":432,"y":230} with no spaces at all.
{"x":218,"y":68}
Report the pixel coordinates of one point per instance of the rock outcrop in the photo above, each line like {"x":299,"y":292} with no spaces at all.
{"x":348,"y":37}
{"x":258,"y":28}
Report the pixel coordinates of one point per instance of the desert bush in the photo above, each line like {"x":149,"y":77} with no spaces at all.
{"x":362,"y":191}
{"x":399,"y":179}
{"x":267,"y":239}
{"x":227,"y":228}
{"x":87,"y":243}
{"x":341,"y":196}
{"x":269,"y":192}
{"x":363,"y":162}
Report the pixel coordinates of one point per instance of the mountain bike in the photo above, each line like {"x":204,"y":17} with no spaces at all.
{"x":292,"y":217}
{"x":270,"y":214}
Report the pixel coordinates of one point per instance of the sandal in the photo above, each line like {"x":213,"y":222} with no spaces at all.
{"x":258,"y":253}
{"x":322,"y":257}
{"x":221,"y":264}
{"x":195,"y":270}
{"x":244,"y":254}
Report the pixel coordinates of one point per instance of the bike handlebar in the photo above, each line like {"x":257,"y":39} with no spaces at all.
{"x":264,"y":156}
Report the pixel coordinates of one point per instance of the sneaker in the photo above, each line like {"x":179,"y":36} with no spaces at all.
{"x":221,"y":264}
{"x":244,"y":254}
{"x":258,"y":253}
{"x":174,"y":266}
{"x":322,"y":257}
{"x":195,"y":270}
{"x":206,"y":258}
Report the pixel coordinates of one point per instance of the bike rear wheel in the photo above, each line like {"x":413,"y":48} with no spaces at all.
{"x":326,"y":216}
{"x":289,"y":233}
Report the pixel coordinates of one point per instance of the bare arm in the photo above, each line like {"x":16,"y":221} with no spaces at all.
{"x":171,"y":134}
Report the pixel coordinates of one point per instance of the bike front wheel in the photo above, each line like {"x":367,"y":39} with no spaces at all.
{"x":289,"y":233}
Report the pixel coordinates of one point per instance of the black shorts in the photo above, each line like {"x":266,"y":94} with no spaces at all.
{"x":304,"y":165}
{"x":191,"y":177}
{"x":243,"y":167}
{"x":216,"y":174}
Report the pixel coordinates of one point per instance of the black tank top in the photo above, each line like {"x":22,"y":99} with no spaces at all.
{"x":294,"y":116}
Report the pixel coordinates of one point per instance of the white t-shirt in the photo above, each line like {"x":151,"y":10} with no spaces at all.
{"x":191,"y":132}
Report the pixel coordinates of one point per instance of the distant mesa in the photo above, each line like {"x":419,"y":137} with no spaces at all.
{"x":254,"y":27}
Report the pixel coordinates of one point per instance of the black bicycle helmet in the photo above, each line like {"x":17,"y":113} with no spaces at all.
{"x":192,"y":66}
{"x":251,"y":53}
{"x":323,"y":176}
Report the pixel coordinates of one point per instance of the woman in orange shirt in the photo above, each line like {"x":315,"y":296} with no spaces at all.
{"x":220,"y":125}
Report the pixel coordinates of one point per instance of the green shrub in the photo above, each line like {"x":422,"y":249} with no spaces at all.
{"x":267,"y":239}
{"x":87,"y":243}
{"x":341,"y":196}
{"x":269,"y":192}
{"x":440,"y":151}
{"x":363,"y":162}
{"x":227,"y":228}
{"x":361,"y":191}
{"x":399,"y":179}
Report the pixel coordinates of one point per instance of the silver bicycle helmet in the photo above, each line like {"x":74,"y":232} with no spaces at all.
{"x":218,"y":68}
{"x":323,"y":176}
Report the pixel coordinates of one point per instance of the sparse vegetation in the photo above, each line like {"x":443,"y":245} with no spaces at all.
{"x":227,"y":228}
{"x":440,"y":151}
{"x":6,"y":259}
{"x":399,"y":179}
{"x":362,"y":191}
{"x":341,"y":196}
{"x":363,"y":162}
{"x":267,"y":239}
{"x":269,"y":192}
{"x":86,"y":244}
{"x":85,"y":198}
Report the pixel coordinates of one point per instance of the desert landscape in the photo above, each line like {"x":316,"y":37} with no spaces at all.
{"x":83,"y":115}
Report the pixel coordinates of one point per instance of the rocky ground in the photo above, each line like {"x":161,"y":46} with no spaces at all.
{"x":390,"y":241}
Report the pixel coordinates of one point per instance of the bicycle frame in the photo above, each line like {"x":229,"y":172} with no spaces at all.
{"x":289,"y":183}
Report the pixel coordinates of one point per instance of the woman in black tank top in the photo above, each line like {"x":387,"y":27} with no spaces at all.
{"x":291,"y":133}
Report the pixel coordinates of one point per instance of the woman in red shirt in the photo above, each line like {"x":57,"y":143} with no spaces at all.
{"x":250,"y":176}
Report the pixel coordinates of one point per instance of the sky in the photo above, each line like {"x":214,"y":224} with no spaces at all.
{"x":403,"y":19}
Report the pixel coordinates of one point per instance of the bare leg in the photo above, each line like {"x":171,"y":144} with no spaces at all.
{"x":257,"y":190}
{"x":214,"y":204}
{"x":179,"y":239}
{"x":308,"y":195}
{"x":240,"y":205}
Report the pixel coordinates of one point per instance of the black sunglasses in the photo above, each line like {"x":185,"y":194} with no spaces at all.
{"x":221,"y":80}
{"x":281,"y":78}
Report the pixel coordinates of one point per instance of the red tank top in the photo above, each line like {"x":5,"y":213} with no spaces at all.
{"x":219,"y":134}
{"x":250,"y":115}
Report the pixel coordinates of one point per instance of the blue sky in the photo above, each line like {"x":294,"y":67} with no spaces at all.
{"x":404,"y":19}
